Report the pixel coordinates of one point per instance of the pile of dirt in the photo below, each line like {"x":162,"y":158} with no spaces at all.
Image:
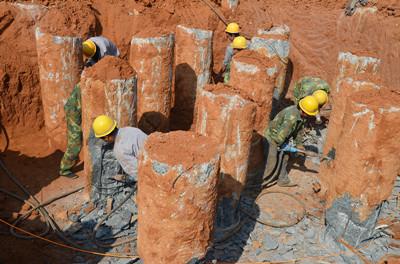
{"x":20,"y":103}
{"x":111,"y":68}
{"x":188,"y":148}
{"x":69,"y":18}
{"x":221,"y":88}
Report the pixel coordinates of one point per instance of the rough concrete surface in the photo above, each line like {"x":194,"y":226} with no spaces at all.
{"x":153,"y":60}
{"x":366,"y":161}
{"x":255,"y":76}
{"x":177,"y":197}
{"x":60,"y":65}
{"x":113,"y":97}
{"x":274,"y":43}
{"x":229,"y":118}
{"x":193,"y":57}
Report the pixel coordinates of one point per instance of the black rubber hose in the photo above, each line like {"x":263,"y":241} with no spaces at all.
{"x":94,"y":232}
{"x":273,"y":224}
{"x":275,"y":173}
{"x":35,"y":203}
{"x":15,"y":196}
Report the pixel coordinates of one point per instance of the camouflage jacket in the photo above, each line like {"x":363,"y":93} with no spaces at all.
{"x":307,"y":86}
{"x":286,"y":124}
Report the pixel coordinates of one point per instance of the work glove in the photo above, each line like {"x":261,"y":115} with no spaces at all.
{"x":288,"y":147}
{"x":318,"y":119}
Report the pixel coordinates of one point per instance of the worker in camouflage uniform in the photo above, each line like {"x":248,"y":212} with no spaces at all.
{"x":73,"y":110}
{"x":312,"y":86}
{"x":282,"y":130}
{"x":94,"y":49}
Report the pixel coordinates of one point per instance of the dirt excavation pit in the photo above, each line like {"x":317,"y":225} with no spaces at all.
{"x":198,"y":197}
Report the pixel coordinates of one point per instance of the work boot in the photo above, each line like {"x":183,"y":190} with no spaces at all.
{"x":283,"y":179}
{"x":69,"y":175}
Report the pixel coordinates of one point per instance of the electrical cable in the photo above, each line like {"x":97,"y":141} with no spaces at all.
{"x":67,"y":246}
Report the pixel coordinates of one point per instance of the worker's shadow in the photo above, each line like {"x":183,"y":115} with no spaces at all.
{"x":151,"y":122}
{"x":233,"y":224}
{"x":183,"y":111}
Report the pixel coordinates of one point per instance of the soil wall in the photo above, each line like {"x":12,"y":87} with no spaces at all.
{"x":319,"y":30}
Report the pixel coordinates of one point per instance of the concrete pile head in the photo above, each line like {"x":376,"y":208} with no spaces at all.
{"x":274,"y":44}
{"x":193,"y":57}
{"x":230,"y":5}
{"x":108,"y":88}
{"x":59,"y":42}
{"x":254,"y":76}
{"x":35,"y":11}
{"x":60,"y":65}
{"x":366,"y":162}
{"x":153,"y":58}
{"x":354,"y":74}
{"x":353,"y":67}
{"x":227,"y":116}
{"x":177,"y":196}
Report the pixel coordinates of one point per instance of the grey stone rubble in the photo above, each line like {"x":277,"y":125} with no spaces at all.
{"x":309,"y":241}
{"x":120,"y":225}
{"x":304,"y":241}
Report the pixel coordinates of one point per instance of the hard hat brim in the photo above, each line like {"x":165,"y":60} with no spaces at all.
{"x":231,"y":31}
{"x":233,"y":47}
{"x":306,"y":111}
{"x":107,"y":132}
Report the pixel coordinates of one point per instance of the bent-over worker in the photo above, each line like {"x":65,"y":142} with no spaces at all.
{"x":284,"y":128}
{"x":96,"y":48}
{"x":128,"y":141}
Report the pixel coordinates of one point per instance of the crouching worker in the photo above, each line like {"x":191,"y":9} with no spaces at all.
{"x":314,"y":86}
{"x":284,"y":129}
{"x":128,"y":141}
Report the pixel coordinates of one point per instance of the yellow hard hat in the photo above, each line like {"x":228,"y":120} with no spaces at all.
{"x":239,"y":43}
{"x":309,"y":105}
{"x":232,"y":28}
{"x":321,"y":96}
{"x":89,"y":48}
{"x":103,"y":125}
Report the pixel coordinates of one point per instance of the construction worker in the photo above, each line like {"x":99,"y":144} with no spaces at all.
{"x":96,"y":48}
{"x":281,"y":134}
{"x":238,"y":44}
{"x":312,"y":86}
{"x":128,"y":141}
{"x":232,"y":31}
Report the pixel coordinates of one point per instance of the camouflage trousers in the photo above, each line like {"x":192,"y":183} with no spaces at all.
{"x":73,"y":116}
{"x":227,"y":74}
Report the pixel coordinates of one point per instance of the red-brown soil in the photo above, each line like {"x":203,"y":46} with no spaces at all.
{"x":110,"y":68}
{"x":318,"y":32}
